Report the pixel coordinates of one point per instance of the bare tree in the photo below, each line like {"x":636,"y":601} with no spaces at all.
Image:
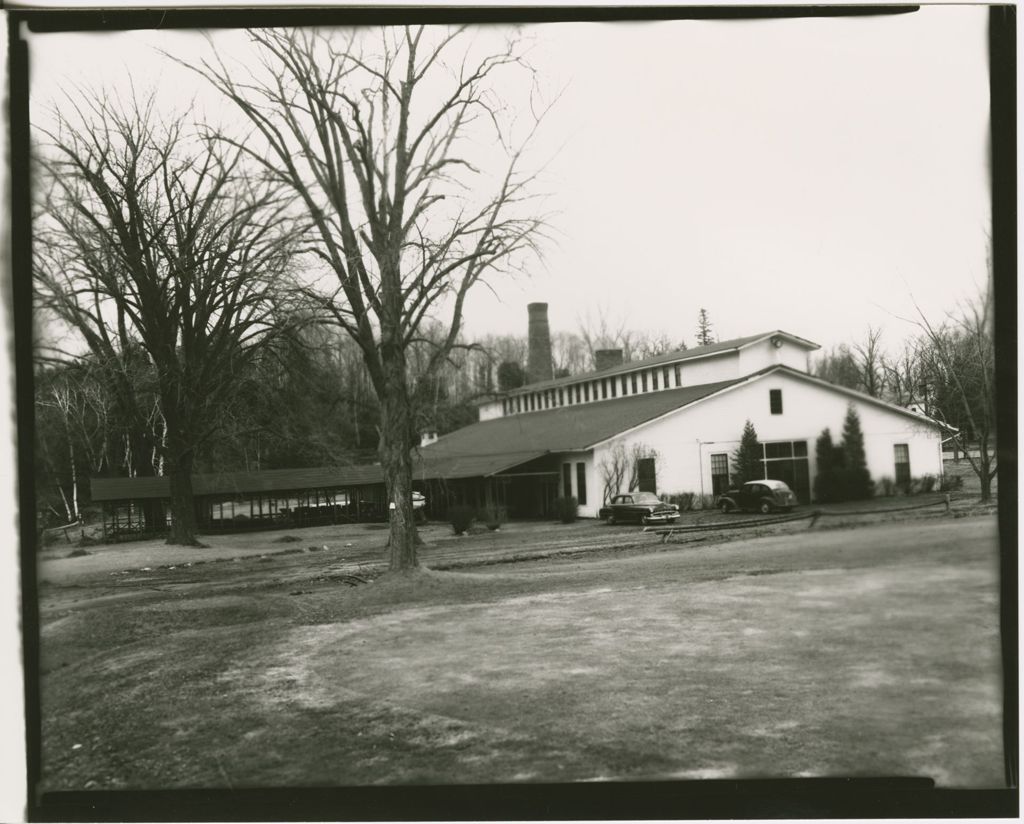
{"x":620,"y":467}
{"x":870,"y":363}
{"x":170,"y":250}
{"x":959,"y":357}
{"x":375,"y":134}
{"x":613,"y":469}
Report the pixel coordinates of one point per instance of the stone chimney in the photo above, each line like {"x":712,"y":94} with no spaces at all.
{"x":607,"y":358}
{"x":538,"y":362}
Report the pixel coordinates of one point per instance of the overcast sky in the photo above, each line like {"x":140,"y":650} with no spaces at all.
{"x":810,"y":175}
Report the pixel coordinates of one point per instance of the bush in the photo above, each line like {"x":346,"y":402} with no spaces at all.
{"x":951,"y":483}
{"x":926,"y":483}
{"x":493,"y":516}
{"x":686,"y":501}
{"x":566,"y":509}
{"x":885,"y":487}
{"x":461,"y":517}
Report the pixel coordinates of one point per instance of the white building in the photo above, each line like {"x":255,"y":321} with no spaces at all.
{"x":687,"y":411}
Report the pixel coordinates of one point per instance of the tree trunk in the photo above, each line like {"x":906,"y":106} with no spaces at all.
{"x":183,"y":509}
{"x":396,"y":458}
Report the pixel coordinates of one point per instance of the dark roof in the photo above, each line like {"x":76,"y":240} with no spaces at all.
{"x":227,"y":483}
{"x":678,"y":356}
{"x":293,"y":480}
{"x":566,"y":428}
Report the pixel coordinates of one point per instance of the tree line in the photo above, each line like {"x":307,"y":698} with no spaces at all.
{"x":946,"y":371}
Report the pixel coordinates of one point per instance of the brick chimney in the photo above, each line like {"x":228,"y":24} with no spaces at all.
{"x":607,"y":358}
{"x":538,"y":362}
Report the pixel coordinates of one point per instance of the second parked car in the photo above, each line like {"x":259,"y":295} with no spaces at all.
{"x":761,"y":496}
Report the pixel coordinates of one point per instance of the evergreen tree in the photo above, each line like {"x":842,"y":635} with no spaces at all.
{"x":746,"y":460}
{"x":704,"y":336}
{"x":829,"y":460}
{"x":511,"y":375}
{"x":856,"y":477}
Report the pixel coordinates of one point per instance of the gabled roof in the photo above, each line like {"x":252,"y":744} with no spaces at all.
{"x":678,"y":356}
{"x":566,"y":428}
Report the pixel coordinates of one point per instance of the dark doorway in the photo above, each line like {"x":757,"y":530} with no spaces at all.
{"x":646,"y":474}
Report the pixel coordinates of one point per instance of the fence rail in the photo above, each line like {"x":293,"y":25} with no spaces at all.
{"x":668,"y":531}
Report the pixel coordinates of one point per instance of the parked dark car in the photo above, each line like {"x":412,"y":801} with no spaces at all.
{"x":643,"y":507}
{"x":761,"y":496}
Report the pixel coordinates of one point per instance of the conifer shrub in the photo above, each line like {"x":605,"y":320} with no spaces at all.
{"x":493,"y":517}
{"x":746,"y":460}
{"x":566,"y":509}
{"x":951,"y":483}
{"x":856,"y":479}
{"x":461,"y":517}
{"x":886,"y":487}
{"x":828,"y":483}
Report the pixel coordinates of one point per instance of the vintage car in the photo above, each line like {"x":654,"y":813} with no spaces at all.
{"x":643,"y":507}
{"x":762,"y":496}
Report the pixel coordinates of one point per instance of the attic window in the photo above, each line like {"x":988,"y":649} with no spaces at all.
{"x":775,"y":400}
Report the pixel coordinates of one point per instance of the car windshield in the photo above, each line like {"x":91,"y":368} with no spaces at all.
{"x":646,"y":498}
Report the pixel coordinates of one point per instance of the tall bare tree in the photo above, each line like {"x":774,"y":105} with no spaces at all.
{"x":959,"y":359}
{"x":870,"y":363}
{"x":388,"y":138}
{"x":168,"y":247}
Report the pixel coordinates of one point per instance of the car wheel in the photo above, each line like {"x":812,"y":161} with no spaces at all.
{"x":766,"y":507}
{"x":726,"y":507}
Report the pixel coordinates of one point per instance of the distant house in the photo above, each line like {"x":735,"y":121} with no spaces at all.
{"x":683,"y":411}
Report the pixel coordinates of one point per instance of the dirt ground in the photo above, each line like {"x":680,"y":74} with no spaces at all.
{"x":871,"y":651}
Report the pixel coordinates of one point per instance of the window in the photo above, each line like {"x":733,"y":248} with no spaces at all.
{"x":643,"y":381}
{"x":664,"y":376}
{"x":504,"y":407}
{"x":679,"y":374}
{"x":654,"y":379}
{"x":581,"y":484}
{"x":647,"y":475}
{"x":586,"y":391}
{"x":578,"y":390}
{"x":625,"y":389}
{"x":561,"y":397}
{"x":719,"y":473}
{"x":613,"y":384}
{"x":604,"y":388}
{"x":775,"y":401}
{"x":902,"y":454}
{"x":567,"y":480}
{"x":632,"y":382}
